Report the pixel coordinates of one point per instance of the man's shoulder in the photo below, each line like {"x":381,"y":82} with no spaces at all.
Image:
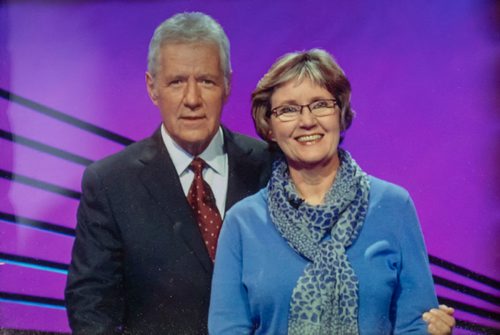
{"x":257,"y":149}
{"x":127,"y":158}
{"x":245,"y":141}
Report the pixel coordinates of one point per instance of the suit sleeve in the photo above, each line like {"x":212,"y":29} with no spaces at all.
{"x":415,"y":292}
{"x":94,"y":289}
{"x":229,"y":306}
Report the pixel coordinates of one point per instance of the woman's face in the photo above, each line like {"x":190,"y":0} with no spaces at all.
{"x":308,"y":141}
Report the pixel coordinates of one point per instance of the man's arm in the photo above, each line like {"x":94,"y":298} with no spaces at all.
{"x":94,"y":290}
{"x":440,"y":321}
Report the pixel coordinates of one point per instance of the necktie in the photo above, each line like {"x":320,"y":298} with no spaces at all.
{"x":202,"y":201}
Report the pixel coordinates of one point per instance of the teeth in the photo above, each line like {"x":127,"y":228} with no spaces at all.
{"x":309,"y":138}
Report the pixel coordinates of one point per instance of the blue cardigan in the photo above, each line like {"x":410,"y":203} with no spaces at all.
{"x":256,"y":270}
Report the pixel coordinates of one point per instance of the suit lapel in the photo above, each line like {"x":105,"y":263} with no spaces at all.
{"x":160,"y":178}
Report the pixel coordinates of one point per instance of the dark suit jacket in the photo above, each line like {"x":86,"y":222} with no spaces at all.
{"x":139,"y":264}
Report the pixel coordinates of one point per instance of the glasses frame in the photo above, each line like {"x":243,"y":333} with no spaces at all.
{"x":274,"y":111}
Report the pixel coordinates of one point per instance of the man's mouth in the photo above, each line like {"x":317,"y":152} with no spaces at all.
{"x":192,"y":118}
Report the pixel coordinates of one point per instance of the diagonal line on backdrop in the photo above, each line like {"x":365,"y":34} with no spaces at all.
{"x":51,"y":227}
{"x":35,"y":106}
{"x":469,"y":308}
{"x":476,"y":327}
{"x":44,"y":148}
{"x":32,"y":299}
{"x":464,"y":272}
{"x":438,"y":280}
{"x":34,"y":261}
{"x":40,"y":184}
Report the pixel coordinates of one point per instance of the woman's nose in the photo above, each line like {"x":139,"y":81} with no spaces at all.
{"x":307,"y":118}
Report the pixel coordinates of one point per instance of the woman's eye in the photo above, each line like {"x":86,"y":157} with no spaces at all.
{"x":288,"y":109}
{"x":320,"y":104}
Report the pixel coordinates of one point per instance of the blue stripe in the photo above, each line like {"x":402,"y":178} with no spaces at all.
{"x":36,"y":304}
{"x":43,"y":230}
{"x":33,"y":266}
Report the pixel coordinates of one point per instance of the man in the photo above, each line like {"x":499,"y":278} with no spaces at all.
{"x":139,"y":261}
{"x":143,"y":255}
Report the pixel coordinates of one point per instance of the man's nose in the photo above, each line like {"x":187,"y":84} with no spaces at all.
{"x":192,"y":95}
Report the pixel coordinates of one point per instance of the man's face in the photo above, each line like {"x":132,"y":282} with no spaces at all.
{"x":189,"y":90}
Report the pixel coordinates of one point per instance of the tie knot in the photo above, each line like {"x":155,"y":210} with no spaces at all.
{"x":197,"y":165}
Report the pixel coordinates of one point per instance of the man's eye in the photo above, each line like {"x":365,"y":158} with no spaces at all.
{"x":207,"y":82}
{"x":175,"y":82}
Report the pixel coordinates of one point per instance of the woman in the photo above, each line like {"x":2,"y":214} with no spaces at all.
{"x":324,"y":248}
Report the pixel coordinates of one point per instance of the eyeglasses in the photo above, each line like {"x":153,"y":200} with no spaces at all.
{"x":318,"y":108}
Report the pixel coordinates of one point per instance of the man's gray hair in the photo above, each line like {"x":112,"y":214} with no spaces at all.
{"x":190,"y":27}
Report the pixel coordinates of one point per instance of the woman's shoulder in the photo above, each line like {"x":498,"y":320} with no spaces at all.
{"x":249,"y":213}
{"x":391,"y":209}
{"x":382,"y":191}
{"x":251,"y":202}
{"x":249,"y":207}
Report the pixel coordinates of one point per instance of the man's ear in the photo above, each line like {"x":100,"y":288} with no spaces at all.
{"x":150,"y":86}
{"x":227,"y":88}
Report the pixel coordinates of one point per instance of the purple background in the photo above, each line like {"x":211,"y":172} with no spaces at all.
{"x":425,"y":78}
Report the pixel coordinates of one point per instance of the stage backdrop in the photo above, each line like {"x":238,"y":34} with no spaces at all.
{"x":425,"y":78}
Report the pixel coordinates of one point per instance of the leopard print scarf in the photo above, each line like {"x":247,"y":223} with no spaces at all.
{"x":325,"y":298}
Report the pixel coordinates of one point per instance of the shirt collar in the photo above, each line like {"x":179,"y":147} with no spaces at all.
{"x":213,"y":155}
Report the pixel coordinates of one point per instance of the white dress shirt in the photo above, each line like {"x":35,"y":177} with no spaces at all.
{"x":216,"y":174}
